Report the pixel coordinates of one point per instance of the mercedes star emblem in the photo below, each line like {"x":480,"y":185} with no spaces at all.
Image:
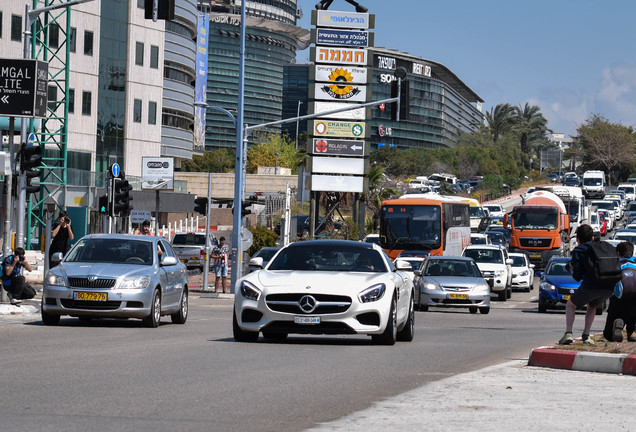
{"x":307,"y":303}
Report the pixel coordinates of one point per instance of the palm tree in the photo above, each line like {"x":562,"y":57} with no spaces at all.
{"x":531,"y":126}
{"x":378,"y":191}
{"x":499,"y":119}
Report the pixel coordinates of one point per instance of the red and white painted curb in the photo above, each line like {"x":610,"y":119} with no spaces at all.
{"x":583,"y":361}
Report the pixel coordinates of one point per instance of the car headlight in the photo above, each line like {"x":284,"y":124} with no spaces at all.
{"x":432,"y":286}
{"x":249,"y":291}
{"x":481,"y":289}
{"x":372,"y":294}
{"x":56,"y":280}
{"x":137,"y":282}
{"x":524,"y":273}
{"x":547,"y":286}
{"x":499,"y":273}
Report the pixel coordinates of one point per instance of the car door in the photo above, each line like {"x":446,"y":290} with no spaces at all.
{"x":170,"y":292}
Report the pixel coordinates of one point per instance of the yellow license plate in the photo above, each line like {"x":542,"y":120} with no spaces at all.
{"x":194,"y":258}
{"x":566,"y":297}
{"x":535,"y":255}
{"x":94,"y":296}
{"x":458,"y":296}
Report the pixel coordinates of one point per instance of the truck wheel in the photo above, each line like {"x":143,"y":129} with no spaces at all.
{"x":501,"y":296}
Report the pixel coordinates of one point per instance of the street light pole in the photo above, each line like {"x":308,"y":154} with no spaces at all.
{"x":276,"y":164}
{"x":297,"y":121}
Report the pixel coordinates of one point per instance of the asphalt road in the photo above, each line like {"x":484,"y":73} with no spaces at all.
{"x":116,"y":375}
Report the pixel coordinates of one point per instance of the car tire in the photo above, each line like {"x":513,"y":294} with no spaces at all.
{"x":542,"y":308}
{"x":153,"y":320}
{"x":423,"y":308}
{"x":408,"y":332}
{"x":484,"y":310}
{"x":508,"y":292}
{"x":503,"y":295}
{"x":49,"y":319}
{"x":241,"y":335}
{"x":181,"y":316}
{"x":274,"y":336}
{"x":472,"y":309}
{"x":389,"y":336}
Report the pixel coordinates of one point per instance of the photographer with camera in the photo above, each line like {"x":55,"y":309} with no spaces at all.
{"x":12,"y":281}
{"x":220,"y":255}
{"x":62,"y":233}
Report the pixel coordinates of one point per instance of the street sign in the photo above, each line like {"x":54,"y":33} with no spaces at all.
{"x":23,"y":87}
{"x":138,"y":216}
{"x":31,"y":139}
{"x":340,"y":19}
{"x":114,"y":169}
{"x":329,"y":128}
{"x":248,"y":238}
{"x":335,"y":147}
{"x":335,"y":55}
{"x":340,"y":91}
{"x":353,"y":38}
{"x":355,"y":113}
{"x":329,"y":73}
{"x":157,"y":173}
{"x":333,"y":183}
{"x":336,"y":165}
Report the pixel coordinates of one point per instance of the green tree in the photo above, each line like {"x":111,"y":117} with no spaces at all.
{"x":264,"y":153}
{"x":499,"y":119}
{"x":215,"y":161}
{"x":380,"y":189}
{"x":532,"y":128}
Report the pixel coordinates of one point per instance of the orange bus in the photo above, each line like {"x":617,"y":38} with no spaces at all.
{"x":439,"y":225}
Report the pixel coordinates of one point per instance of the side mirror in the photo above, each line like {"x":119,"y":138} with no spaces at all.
{"x":403,"y":265}
{"x":256,"y":262}
{"x":539,"y":274}
{"x":169,"y":261}
{"x":509,"y":261}
{"x":417,"y":272}
{"x":531,"y":266}
{"x":56,"y":258}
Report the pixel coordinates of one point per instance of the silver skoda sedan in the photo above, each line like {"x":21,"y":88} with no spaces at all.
{"x":117,"y":276}
{"x":326,"y":287}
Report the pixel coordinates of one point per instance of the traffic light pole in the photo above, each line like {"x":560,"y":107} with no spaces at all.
{"x":8,"y":198}
{"x":206,"y":264}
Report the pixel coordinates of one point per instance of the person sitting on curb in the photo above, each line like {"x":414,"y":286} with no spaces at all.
{"x":12,"y":281}
{"x":622,"y":307}
{"x":587,"y":294}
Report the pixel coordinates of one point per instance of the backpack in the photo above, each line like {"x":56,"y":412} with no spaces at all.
{"x":604,"y":267}
{"x":629,"y":282}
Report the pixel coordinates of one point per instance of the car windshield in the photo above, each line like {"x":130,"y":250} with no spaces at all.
{"x":415,"y":264}
{"x":476,"y":212}
{"x":492,"y":256}
{"x":189,"y":239}
{"x":540,"y":219}
{"x":592,"y":181}
{"x":420,"y":254}
{"x":331,"y":258}
{"x":112,"y":250}
{"x":478,"y":240}
{"x":631,"y":207}
{"x":626,"y":238}
{"x":518,"y":261}
{"x":502,"y":230}
{"x":496,"y":237}
{"x":558,"y":268}
{"x":450,"y":267}
{"x":494,"y":208}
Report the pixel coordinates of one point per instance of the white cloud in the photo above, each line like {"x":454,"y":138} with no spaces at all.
{"x":616,"y":97}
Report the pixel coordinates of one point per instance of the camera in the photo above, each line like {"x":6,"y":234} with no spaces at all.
{"x":67,"y":220}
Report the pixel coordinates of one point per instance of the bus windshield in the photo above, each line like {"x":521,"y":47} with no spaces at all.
{"x":535,"y":220}
{"x":411,"y":227}
{"x":476,"y":212}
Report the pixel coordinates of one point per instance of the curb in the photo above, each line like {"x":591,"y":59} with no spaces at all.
{"x":583,"y":361}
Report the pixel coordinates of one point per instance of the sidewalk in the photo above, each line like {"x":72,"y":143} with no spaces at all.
{"x":507,"y":397}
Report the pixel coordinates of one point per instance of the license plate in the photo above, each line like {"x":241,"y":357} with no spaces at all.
{"x":183,"y":261}
{"x":94,"y":296}
{"x":306,"y":320}
{"x":194,"y":258}
{"x":535,"y":255}
{"x":458,"y":296}
{"x":566,"y":297}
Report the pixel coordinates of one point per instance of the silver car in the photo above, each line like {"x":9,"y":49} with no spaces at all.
{"x":451,"y":282}
{"x":117,"y":276}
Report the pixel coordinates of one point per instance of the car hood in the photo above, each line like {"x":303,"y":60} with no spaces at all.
{"x":564,"y":281}
{"x":285,"y":279}
{"x":101,"y":270}
{"x":454,"y":281}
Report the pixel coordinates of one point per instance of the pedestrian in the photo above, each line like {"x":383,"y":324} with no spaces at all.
{"x":12,"y":281}
{"x":62,"y":233}
{"x":588,"y":293}
{"x":220,"y":254}
{"x":145,"y":229}
{"x":622,"y":307}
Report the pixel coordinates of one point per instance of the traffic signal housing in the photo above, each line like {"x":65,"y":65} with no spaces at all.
{"x":122,"y":198}
{"x":30,"y":158}
{"x":404,"y":100}
{"x":201,"y":205}
{"x":14,"y":185}
{"x":103,"y":204}
{"x":165,"y":9}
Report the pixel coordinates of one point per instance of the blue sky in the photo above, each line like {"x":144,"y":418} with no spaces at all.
{"x":572,"y":58}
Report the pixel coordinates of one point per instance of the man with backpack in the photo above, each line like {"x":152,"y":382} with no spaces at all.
{"x":596,"y":265}
{"x":622,"y":307}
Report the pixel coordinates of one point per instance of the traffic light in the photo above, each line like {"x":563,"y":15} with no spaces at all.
{"x":244,"y":211}
{"x":201,"y":205}
{"x":165,"y":9}
{"x":122,"y":198}
{"x":30,"y":158}
{"x":404,"y":100}
{"x":103,"y":204}
{"x":14,"y":185}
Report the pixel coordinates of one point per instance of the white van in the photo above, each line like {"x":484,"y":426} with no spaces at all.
{"x":594,"y":184}
{"x":629,"y":189}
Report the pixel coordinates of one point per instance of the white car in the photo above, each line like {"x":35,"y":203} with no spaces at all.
{"x":326,"y":287}
{"x":479,"y":238}
{"x":415,"y":262}
{"x":495,"y":210}
{"x":495,"y":266}
{"x":522,"y":272}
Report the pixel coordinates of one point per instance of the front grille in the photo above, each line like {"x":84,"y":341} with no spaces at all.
{"x":325,"y":303}
{"x":564,"y":291}
{"x":96,"y":284}
{"x":88,"y":304}
{"x":322,"y":328}
{"x":535,"y":242}
{"x":456,"y":289}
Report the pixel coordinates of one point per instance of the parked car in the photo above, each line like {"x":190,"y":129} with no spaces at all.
{"x":326,"y":287}
{"x":265,"y":254}
{"x":116,"y":276}
{"x":455,"y":282}
{"x":495,"y":267}
{"x":190,"y":248}
{"x":522,"y":272}
{"x":557,"y":285}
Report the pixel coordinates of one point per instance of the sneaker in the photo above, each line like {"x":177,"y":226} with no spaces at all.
{"x":617,"y":330}
{"x":587,"y":340}
{"x":14,"y":301}
{"x":567,"y":339}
